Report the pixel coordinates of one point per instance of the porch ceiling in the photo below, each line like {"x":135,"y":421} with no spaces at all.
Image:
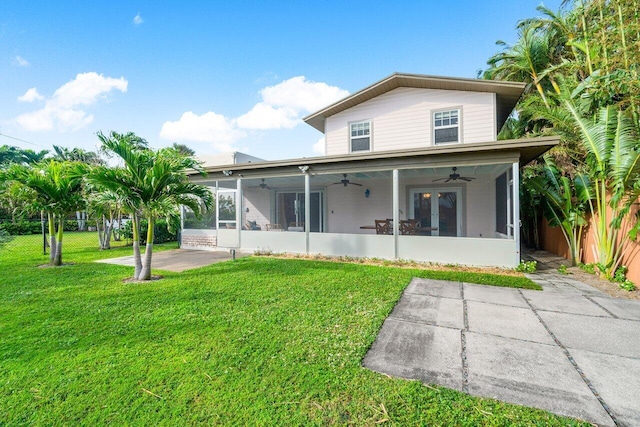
{"x":459,"y":155}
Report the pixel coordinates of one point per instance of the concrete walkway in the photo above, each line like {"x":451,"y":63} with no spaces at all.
{"x":569,"y":349}
{"x":178,"y":259}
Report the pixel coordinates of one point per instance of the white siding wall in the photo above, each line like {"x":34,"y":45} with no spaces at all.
{"x":481,"y":204}
{"x":348,"y":208}
{"x":258,"y":202}
{"x":401,"y":119}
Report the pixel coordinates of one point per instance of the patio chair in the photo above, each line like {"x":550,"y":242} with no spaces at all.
{"x":383,"y":226}
{"x":409,"y":226}
{"x":252,"y":225}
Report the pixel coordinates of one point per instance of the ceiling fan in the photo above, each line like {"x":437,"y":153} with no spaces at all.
{"x":455,"y":176}
{"x":346,"y":182}
{"x":264,"y":186}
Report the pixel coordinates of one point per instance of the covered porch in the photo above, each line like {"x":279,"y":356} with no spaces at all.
{"x":395,"y":205}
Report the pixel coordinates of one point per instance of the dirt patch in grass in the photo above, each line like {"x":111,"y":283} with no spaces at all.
{"x":64,"y":264}
{"x":132,"y":280}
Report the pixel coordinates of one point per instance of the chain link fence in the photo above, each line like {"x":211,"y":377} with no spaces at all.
{"x":78,"y":233}
{"x":82,"y":232}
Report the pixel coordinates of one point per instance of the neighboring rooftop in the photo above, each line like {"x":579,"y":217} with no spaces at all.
{"x":507,"y":94}
{"x":229,"y":158}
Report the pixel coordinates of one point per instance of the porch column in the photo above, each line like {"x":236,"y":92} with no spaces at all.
{"x":217,"y":213}
{"x":515,"y":172}
{"x":307,"y":209}
{"x":396,"y":216}
{"x":239,"y":210}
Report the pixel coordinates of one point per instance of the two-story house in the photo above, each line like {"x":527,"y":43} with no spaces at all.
{"x":413,"y":170}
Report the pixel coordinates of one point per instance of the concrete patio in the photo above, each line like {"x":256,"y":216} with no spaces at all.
{"x":178,"y":259}
{"x":568,"y":349}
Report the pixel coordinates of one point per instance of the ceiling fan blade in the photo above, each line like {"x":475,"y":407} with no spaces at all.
{"x":355,"y":183}
{"x":464,"y":178}
{"x":439,"y":179}
{"x":449,"y":179}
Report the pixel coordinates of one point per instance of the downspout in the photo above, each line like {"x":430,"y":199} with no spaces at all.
{"x":396,"y":216}
{"x":307,"y":210}
{"x":516,"y":209}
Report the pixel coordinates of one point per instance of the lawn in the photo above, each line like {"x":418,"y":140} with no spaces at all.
{"x":257,"y":341}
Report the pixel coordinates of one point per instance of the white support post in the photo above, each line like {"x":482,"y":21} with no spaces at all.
{"x":516,"y":208}
{"x":217,"y":208}
{"x":396,"y":212}
{"x":239,"y":210}
{"x":307,"y":209}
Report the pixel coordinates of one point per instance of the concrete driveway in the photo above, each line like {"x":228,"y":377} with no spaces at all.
{"x":568,"y":349}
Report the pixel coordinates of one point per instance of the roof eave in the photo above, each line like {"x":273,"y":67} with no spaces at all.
{"x":528,"y":148}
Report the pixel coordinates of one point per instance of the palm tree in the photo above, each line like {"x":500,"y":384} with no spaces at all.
{"x":564,"y":202}
{"x":151,"y":183}
{"x":613,"y":160}
{"x":524,"y":61}
{"x":57,"y":187}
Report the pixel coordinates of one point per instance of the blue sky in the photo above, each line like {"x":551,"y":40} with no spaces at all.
{"x":221,"y":75}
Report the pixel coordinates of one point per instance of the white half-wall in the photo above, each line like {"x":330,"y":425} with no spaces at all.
{"x":274,"y":241}
{"x":355,"y":245}
{"x":458,"y":250}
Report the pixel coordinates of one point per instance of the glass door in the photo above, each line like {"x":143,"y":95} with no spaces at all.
{"x":437,"y":209}
{"x":290,"y":208}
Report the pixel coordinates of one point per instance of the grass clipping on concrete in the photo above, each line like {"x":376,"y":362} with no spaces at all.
{"x":257,"y":341}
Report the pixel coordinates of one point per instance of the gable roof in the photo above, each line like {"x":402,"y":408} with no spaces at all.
{"x":507,"y":94}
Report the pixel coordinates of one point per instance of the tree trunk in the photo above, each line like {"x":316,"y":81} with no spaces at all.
{"x":117,"y":234}
{"x":52,"y":238}
{"x":104,"y":232}
{"x":136,"y":246}
{"x":58,"y":259}
{"x":99,"y":230}
{"x":145,"y":274}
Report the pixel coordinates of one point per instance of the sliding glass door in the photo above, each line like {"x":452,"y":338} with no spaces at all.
{"x":290,"y":209}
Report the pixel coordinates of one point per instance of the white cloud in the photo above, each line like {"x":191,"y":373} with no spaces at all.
{"x":62,"y":111}
{"x":137,"y":20}
{"x":284,"y":104}
{"x":282,"y":107}
{"x":20,"y":61}
{"x":302,"y":94}
{"x":264,"y":116}
{"x":319,"y":147}
{"x":30,"y":96}
{"x":209,"y":127}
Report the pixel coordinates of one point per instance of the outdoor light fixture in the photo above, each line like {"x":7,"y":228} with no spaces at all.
{"x":304,"y":168}
{"x":367,"y":193}
{"x":227,"y":172}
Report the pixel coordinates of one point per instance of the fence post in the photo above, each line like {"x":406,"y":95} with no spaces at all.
{"x":44,"y":234}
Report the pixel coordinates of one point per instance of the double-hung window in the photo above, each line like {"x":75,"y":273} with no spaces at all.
{"x":446,"y":126}
{"x":360,"y":136}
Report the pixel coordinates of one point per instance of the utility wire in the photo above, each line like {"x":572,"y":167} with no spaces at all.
{"x":21,"y":140}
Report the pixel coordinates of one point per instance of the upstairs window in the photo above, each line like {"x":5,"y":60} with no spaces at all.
{"x":446,"y":126}
{"x":360,"y":136}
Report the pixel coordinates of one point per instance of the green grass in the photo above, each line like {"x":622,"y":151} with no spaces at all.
{"x":258,"y":341}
